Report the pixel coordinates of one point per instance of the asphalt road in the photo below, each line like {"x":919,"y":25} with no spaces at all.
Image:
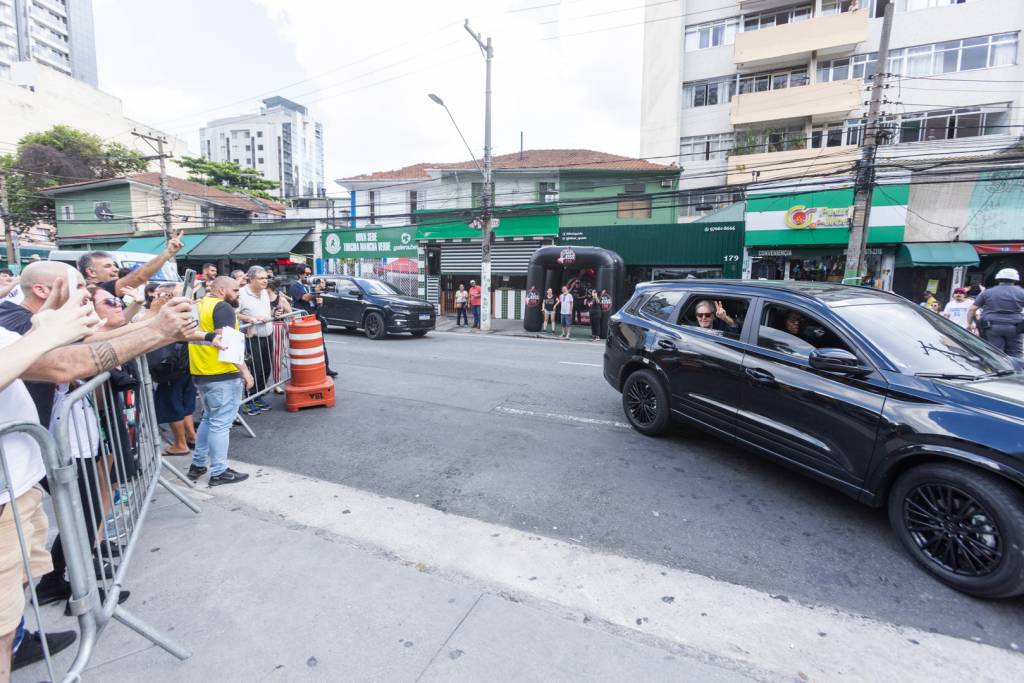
{"x":526,"y":433}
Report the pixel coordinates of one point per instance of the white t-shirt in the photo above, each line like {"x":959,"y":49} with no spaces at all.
{"x":83,"y":425}
{"x":258,"y":307}
{"x":957,"y":311}
{"x":16,"y":295}
{"x":565,"y":301}
{"x":24,"y":461}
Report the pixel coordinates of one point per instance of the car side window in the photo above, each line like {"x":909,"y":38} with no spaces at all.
{"x":661,"y":304}
{"x":720,"y":316}
{"x":793,"y":332}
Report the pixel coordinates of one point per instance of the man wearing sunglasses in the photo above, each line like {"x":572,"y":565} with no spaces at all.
{"x":713,"y":317}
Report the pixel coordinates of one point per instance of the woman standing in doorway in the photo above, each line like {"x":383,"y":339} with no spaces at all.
{"x":461,"y":306}
{"x":547,"y":307}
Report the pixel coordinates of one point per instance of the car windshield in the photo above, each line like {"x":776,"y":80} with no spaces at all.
{"x":380,"y":287}
{"x":920,"y":342}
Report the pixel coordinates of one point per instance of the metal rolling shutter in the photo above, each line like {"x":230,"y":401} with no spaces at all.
{"x":507,"y":258}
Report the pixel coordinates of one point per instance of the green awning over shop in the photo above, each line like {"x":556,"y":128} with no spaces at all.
{"x":266,"y":244}
{"x":666,"y":244}
{"x":439,"y":226}
{"x":218,"y":246}
{"x":936,"y":254}
{"x":155,"y":245}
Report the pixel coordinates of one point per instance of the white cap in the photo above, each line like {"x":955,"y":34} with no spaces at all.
{"x":1008,"y":274}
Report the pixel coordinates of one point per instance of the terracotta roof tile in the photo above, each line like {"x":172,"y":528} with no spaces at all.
{"x":530,"y":159}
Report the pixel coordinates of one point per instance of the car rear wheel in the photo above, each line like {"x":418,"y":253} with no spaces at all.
{"x":965,"y":527}
{"x":645,"y":403}
{"x":419,"y":333}
{"x":374,"y":325}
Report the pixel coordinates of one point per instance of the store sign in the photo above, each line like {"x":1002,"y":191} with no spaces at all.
{"x":802,"y":217}
{"x":766,"y":253}
{"x":379,"y":243}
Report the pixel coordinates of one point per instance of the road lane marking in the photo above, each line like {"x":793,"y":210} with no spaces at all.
{"x":770,"y":637}
{"x":559,"y":416}
{"x":569,"y":362}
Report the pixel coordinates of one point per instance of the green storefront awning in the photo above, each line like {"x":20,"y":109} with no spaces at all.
{"x":155,"y":245}
{"x":218,"y":246}
{"x":936,"y":254}
{"x":541,"y":221}
{"x":266,"y":244}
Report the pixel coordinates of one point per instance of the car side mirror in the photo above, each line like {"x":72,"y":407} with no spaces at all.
{"x":355,"y":293}
{"x":839,"y":361}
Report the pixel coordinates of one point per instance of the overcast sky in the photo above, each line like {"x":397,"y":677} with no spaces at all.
{"x":365,"y":68}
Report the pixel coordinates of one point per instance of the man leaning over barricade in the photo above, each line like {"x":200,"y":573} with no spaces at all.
{"x":254,"y":310}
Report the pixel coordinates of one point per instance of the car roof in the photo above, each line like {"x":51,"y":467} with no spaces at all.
{"x":829,"y":293}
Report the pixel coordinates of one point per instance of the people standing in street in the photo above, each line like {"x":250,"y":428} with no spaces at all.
{"x":255,"y":309}
{"x":596,"y":314}
{"x":306,"y":297}
{"x":1002,"y":319}
{"x":461,"y":306}
{"x":239,"y":277}
{"x":209,"y":273}
{"x":98,"y":268}
{"x":474,"y":301}
{"x":547,"y":307}
{"x":956,"y":309}
{"x":221,"y":385}
{"x":565,"y":301}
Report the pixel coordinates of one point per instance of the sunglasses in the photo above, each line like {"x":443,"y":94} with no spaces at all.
{"x":704,"y":315}
{"x":112,"y":303}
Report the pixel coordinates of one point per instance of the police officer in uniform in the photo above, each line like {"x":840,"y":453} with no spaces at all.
{"x":1002,"y":320}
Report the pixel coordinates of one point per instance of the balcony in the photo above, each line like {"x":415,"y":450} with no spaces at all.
{"x":792,"y":163}
{"x":792,"y":43}
{"x":821,"y":102}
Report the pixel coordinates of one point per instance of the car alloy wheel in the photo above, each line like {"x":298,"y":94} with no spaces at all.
{"x":952,"y":529}
{"x":642,"y":403}
{"x":645,"y":403}
{"x":374,"y":326}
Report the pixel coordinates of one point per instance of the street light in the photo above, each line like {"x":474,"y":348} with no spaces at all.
{"x":469,"y":149}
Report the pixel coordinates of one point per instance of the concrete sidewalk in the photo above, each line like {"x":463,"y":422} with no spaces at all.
{"x":258,"y":598}
{"x":510,"y":328}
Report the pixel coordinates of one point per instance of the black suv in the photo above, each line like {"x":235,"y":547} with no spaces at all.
{"x":375,"y":307}
{"x":884,"y":400}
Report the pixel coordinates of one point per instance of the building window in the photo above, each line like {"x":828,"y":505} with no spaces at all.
{"x":259,"y":133}
{"x":547,"y":192}
{"x":236,"y":161}
{"x":947,"y":124}
{"x":248,"y":148}
{"x":67,"y":212}
{"x":708,"y":93}
{"x":776,"y":17}
{"x":631,"y":206}
{"x":829,"y":7}
{"x":413,"y":206}
{"x":850,"y":132}
{"x":698,"y":203}
{"x":761,"y":141}
{"x":705,"y":147}
{"x":260,"y":160}
{"x":914,"y":5}
{"x":711,"y":34}
{"x":373,"y":206}
{"x":259,"y":148}
{"x":722,"y":90}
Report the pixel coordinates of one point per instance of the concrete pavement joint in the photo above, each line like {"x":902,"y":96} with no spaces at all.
{"x":450,"y":634}
{"x":734,"y":622}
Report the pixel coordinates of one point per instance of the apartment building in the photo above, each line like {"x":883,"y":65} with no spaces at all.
{"x":57,"y":33}
{"x":760,"y":96}
{"x":283,"y":142}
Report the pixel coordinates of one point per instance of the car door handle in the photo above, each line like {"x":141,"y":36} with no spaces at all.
{"x":759,"y":375}
{"x":666,"y":345}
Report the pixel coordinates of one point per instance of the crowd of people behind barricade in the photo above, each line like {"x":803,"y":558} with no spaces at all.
{"x":61,"y":326}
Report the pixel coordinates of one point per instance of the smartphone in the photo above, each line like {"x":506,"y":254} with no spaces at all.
{"x":190,"y":281}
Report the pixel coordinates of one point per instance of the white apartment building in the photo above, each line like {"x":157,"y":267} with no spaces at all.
{"x":57,"y":33}
{"x":283,"y":142}
{"x":755,"y":90}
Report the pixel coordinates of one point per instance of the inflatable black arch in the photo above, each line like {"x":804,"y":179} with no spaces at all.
{"x":547,"y":271}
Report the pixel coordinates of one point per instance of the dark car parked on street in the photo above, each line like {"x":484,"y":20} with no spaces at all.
{"x":374,"y":306}
{"x":884,"y":400}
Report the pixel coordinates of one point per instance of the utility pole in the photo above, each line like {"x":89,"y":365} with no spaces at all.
{"x":8,"y":227}
{"x":165,"y":196}
{"x":485,"y":201}
{"x":856,"y":249}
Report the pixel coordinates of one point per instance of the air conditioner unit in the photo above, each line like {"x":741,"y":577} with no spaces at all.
{"x":666,"y":183}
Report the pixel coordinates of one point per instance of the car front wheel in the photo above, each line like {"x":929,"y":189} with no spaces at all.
{"x":964,"y":526}
{"x":374,"y":325}
{"x":645,"y":402}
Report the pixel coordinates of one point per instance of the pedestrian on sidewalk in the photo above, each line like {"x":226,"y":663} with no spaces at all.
{"x":596,"y":314}
{"x":565,"y":310}
{"x":474,"y":301}
{"x":254,"y":307}
{"x":461,"y":306}
{"x":548,"y":306}
{"x":220,"y":384}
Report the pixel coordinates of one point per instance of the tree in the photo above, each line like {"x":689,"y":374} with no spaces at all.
{"x":59,"y":156}
{"x":228,"y":176}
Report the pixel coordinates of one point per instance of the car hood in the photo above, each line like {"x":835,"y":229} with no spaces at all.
{"x":410,"y":301}
{"x":997,"y":394}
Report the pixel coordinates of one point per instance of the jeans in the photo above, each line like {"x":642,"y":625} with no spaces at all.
{"x":221,"y":400}
{"x":461,"y":315}
{"x":476,"y":315}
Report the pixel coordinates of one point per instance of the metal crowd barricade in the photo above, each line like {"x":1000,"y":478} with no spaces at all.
{"x":103,"y":475}
{"x":266,"y":355}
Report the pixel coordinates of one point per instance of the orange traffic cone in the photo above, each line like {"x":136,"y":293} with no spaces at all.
{"x":308,"y":385}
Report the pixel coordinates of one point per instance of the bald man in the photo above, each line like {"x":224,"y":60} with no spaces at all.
{"x":221,"y":384}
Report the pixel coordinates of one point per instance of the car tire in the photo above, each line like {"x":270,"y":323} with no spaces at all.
{"x":419,"y":333}
{"x":373,"y":325}
{"x":982,"y":555}
{"x":645,"y":403}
